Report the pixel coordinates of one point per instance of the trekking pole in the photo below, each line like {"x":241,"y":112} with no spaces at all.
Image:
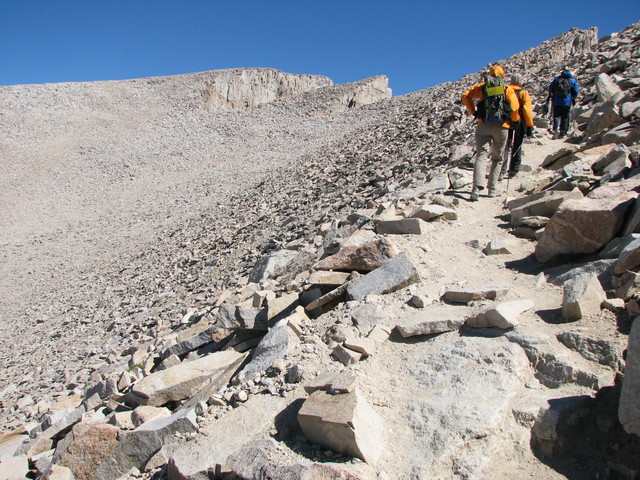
{"x":509,"y":176}
{"x":507,"y":147}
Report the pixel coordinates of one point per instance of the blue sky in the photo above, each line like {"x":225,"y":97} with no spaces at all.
{"x":417,"y":44}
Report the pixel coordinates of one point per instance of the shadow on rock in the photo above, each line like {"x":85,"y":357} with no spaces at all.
{"x":527,"y":265}
{"x":581,"y":438}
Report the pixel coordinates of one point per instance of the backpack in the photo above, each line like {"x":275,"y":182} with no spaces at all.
{"x":494,"y":108}
{"x":562,"y":87}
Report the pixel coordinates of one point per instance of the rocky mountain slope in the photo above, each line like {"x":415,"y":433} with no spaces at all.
{"x":161,"y":240}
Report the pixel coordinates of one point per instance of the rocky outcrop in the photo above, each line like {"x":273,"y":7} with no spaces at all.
{"x":243,"y":88}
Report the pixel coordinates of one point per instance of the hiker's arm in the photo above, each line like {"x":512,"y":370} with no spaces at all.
{"x":468,"y":96}
{"x":527,"y":111}
{"x":512,"y":98}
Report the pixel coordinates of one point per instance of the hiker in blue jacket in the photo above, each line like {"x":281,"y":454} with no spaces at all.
{"x":564,"y":90}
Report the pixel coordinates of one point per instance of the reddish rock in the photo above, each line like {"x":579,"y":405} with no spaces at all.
{"x":362,"y":258}
{"x":90,"y":446}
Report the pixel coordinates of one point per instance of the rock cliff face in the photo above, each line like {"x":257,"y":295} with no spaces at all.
{"x":156,"y":235}
{"x":242,"y":88}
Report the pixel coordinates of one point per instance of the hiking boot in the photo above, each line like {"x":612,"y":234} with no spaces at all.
{"x":474,"y":195}
{"x":512,"y":174}
{"x":493,"y":192}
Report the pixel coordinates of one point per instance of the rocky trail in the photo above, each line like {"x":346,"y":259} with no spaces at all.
{"x":296,"y":286}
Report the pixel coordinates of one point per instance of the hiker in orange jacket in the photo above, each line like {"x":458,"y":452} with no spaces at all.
{"x":518,"y":130}
{"x":493,"y":103}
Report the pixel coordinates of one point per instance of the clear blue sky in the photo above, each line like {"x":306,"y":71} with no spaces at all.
{"x":416,"y":43}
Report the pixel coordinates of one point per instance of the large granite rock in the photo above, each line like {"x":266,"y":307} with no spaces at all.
{"x":584,"y":226}
{"x":543,"y":204}
{"x":183,"y":380}
{"x":344,"y":423}
{"x":460,"y":399}
{"x":208,"y":453}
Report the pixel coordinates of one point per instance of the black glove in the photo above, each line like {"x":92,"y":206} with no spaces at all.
{"x":545,"y":109}
{"x":573,"y":101}
{"x":476,"y":114}
{"x":529,"y":132}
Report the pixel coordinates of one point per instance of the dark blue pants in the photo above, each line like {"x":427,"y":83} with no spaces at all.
{"x":561,"y":118}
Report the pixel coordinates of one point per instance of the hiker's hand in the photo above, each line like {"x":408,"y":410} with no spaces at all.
{"x":529,"y":132}
{"x":475,"y":114}
{"x":573,"y":101}
{"x":545,"y":109}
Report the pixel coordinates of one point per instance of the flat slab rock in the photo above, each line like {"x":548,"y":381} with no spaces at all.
{"x":459,"y":402}
{"x":183,"y":380}
{"x":438,"y":319}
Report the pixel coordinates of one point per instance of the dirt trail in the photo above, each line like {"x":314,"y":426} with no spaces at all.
{"x":450,"y":255}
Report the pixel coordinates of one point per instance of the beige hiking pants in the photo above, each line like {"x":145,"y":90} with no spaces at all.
{"x":493,"y":136}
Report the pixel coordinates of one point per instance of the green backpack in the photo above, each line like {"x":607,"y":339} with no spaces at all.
{"x":494,"y":108}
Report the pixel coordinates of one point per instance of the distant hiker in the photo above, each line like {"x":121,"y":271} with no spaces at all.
{"x":563,"y":91}
{"x":517,"y":131}
{"x":496,"y":104}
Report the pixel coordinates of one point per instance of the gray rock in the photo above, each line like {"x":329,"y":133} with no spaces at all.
{"x":629,"y":407}
{"x":606,"y":87}
{"x":271,"y":266}
{"x":265,"y":460}
{"x":620,"y":153}
{"x":344,"y":423}
{"x":501,"y":315}
{"x":242,"y":317}
{"x":556,"y":366}
{"x":582,"y":296}
{"x":583,"y":226}
{"x":393,"y":275}
{"x":544,"y":204}
{"x":628,"y":286}
{"x":603,"y":351}
{"x":431,"y":212}
{"x":203,"y":457}
{"x":629,"y":257}
{"x":496,"y":247}
{"x":276,"y":344}
{"x":365,"y":317}
{"x":346,"y":356}
{"x":555,"y":419}
{"x":460,"y":398}
{"x":194,"y":342}
{"x":459,"y":178}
